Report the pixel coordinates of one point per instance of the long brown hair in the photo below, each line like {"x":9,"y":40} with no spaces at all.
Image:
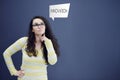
{"x":30,"y":49}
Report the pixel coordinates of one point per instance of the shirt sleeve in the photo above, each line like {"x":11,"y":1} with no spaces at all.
{"x":52,"y":57}
{"x":12,"y":49}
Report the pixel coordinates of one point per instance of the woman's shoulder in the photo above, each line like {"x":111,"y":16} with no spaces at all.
{"x":23,"y":38}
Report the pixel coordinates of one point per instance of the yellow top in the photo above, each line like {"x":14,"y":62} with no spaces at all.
{"x":35,"y":67}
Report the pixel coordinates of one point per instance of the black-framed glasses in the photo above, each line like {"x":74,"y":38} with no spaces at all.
{"x":36,"y":24}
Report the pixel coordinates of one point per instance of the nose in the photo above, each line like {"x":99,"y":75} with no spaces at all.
{"x":39,"y":26}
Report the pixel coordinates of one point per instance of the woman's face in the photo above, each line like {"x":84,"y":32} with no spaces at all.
{"x":38,"y":26}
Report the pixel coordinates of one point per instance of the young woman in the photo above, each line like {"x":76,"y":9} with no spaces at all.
{"x":39,"y":49}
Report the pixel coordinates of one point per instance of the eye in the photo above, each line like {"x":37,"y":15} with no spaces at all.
{"x":42,"y":24}
{"x":36,"y":24}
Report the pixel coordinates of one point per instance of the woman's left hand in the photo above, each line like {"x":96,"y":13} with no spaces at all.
{"x":43,"y":37}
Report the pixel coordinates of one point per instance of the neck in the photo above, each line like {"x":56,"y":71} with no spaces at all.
{"x":37,"y":38}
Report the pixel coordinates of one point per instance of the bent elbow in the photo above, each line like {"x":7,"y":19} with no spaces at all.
{"x":53,"y":61}
{"x":4,"y":54}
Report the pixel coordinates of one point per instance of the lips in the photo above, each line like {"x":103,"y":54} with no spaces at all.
{"x":38,"y":29}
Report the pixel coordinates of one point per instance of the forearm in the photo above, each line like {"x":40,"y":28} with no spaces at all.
{"x":52,"y":57}
{"x":9,"y":63}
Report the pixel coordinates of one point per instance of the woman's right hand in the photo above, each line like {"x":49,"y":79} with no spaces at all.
{"x":20,"y":73}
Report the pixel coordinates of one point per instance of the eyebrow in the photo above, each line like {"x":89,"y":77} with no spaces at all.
{"x":38,"y":23}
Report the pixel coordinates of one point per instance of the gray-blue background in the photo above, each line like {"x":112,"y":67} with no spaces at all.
{"x":89,"y":38}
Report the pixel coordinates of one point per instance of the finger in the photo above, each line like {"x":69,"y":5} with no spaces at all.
{"x":21,"y":75}
{"x":42,"y":39}
{"x":43,"y":34}
{"x":22,"y":71}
